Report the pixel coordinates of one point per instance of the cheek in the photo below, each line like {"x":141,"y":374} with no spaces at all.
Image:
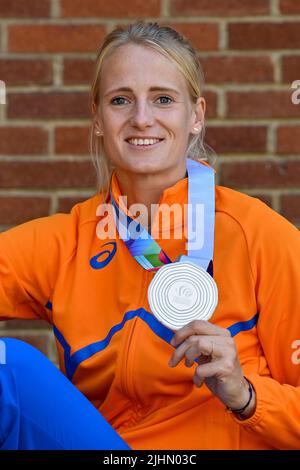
{"x":111,"y":119}
{"x":112,"y":140}
{"x":112,"y":130}
{"x":179,"y":120}
{"x":181,"y":129}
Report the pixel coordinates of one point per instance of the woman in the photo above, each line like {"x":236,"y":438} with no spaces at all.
{"x":148,"y":117}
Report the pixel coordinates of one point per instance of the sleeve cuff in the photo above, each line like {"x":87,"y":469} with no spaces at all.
{"x":260,"y":405}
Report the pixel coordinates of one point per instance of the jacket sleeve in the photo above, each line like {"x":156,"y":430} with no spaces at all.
{"x":30,"y":257}
{"x":274,"y":251}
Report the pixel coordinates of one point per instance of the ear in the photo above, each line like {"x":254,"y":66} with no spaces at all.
{"x":98,"y":128}
{"x":198,"y":115}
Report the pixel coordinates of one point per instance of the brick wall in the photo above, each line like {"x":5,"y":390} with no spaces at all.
{"x":250,"y":51}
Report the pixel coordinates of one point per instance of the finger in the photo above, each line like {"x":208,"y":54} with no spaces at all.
{"x":181,"y":350}
{"x":199,"y":327}
{"x":189,"y":363}
{"x":198,"y":382}
{"x":202,"y":359}
{"x":211,"y":369}
{"x":192,"y":355}
{"x":204,"y":345}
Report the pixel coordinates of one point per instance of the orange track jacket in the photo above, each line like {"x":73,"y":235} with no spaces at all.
{"x":95,"y":295}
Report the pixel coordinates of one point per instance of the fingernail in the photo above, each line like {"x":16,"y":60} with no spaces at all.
{"x":197,"y":382}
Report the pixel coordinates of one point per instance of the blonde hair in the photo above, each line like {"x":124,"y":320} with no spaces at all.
{"x":176,"y":48}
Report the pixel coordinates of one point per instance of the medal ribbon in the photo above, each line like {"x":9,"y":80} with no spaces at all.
{"x":144,"y":248}
{"x":201,"y":201}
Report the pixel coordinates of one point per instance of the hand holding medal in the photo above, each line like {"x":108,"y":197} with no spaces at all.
{"x":213,"y":348}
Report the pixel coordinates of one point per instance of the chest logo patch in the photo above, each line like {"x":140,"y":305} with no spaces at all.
{"x":103,"y":258}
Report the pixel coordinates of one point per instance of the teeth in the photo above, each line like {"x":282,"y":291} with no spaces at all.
{"x":143,"y":141}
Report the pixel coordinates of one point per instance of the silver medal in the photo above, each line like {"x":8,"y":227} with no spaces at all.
{"x":181,"y":292}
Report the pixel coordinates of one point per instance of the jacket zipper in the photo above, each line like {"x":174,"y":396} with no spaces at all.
{"x":128,"y":354}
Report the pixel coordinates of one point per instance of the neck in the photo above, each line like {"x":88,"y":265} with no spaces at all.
{"x":146,"y":189}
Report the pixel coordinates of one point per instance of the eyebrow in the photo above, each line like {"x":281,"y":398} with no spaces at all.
{"x":153,"y":88}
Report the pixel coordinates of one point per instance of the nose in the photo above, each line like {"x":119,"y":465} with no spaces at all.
{"x":142,"y":115}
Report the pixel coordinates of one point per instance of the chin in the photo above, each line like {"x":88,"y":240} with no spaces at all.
{"x":145,"y":167}
{"x":148,"y":170}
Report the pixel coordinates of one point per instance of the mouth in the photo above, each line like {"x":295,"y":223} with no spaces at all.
{"x":144,"y":144}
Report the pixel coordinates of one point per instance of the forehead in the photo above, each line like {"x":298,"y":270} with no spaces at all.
{"x":133,"y":65}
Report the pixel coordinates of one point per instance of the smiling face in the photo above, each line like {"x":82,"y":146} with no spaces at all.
{"x":143,"y":95}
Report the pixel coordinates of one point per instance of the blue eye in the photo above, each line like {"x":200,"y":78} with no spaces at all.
{"x":165,"y":98}
{"x":117,"y":100}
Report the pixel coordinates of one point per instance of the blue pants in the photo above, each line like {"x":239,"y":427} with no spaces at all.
{"x":41,"y":409}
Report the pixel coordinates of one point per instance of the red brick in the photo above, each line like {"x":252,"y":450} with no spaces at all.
{"x":255,"y":174}
{"x":225,"y":139}
{"x":55,"y":38}
{"x":48,"y":105}
{"x":264,"y":35}
{"x":47,"y":175}
{"x":111,"y":8}
{"x":237,"y":69}
{"x":290,"y":69}
{"x":290,"y":207}
{"x":288,"y":139}
{"x":211,"y":104}
{"x":26,"y":72}
{"x":23,"y":141}
{"x":19,"y":209}
{"x":65,"y":204}
{"x":203,"y":36}
{"x":288,"y":7}
{"x":78,"y":71}
{"x":261,"y":104}
{"x":72,"y":140}
{"x":24,"y":8}
{"x":219,"y":7}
